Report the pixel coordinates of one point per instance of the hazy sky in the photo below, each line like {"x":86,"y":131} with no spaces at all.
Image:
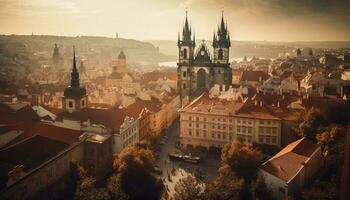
{"x":272,"y":20}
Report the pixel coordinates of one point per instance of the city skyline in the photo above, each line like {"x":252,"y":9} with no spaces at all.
{"x":247,"y":20}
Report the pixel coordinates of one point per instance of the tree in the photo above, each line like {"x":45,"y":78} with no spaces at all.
{"x":115,"y":190}
{"x":87,"y":190}
{"x":226,"y":187}
{"x":188,"y":188}
{"x":242,"y":159}
{"x":134,"y":172}
{"x":310,"y":123}
{"x":262,"y":192}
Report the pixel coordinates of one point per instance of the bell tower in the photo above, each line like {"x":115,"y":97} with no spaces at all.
{"x":186,"y":45}
{"x":221,"y":43}
{"x":74,"y":98}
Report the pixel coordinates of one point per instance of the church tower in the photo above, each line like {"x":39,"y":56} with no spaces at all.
{"x":121,"y":62}
{"x":75,"y":97}
{"x":186,"y":47}
{"x":221,"y":43}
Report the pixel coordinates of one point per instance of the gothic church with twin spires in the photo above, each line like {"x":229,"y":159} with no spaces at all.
{"x":198,"y":70}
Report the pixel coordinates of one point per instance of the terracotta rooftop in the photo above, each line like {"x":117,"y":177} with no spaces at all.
{"x":111,"y":118}
{"x":155,"y":75}
{"x":287,"y":163}
{"x":67,"y":136}
{"x":254,"y":76}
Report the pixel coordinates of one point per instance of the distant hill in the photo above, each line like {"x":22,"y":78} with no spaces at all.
{"x":91,"y":47}
{"x":253,"y":48}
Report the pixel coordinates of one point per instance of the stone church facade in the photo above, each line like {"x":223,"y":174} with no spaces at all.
{"x":199,"y":70}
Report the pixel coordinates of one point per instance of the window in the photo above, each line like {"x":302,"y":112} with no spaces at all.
{"x":249,"y":129}
{"x":197,"y":125}
{"x":189,"y":132}
{"x":261,"y":122}
{"x":224,"y":119}
{"x":184,"y":74}
{"x":204,"y":126}
{"x":205,"y":119}
{"x":197,"y":133}
{"x":213,"y":126}
{"x":220,"y":54}
{"x":212,"y":135}
{"x":274,"y":139}
{"x":213,"y":119}
{"x":261,"y":129}
{"x":261,"y":138}
{"x":82,"y":103}
{"x":189,"y":124}
{"x":197,"y":119}
{"x":219,"y":136}
{"x":184,"y":86}
{"x":70,"y":104}
{"x":219,"y":119}
{"x":190,"y":118}
{"x":268,"y":130}
{"x":274,"y":130}
{"x":185,"y":53}
{"x":224,"y":137}
{"x":230,"y":128}
{"x":204,"y":133}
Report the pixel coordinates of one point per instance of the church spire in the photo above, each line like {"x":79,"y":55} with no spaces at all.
{"x":186,"y":38}
{"x":222,"y":38}
{"x":75,"y":81}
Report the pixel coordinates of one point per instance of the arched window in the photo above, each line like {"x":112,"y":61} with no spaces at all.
{"x":220,"y":54}
{"x":185,"y":53}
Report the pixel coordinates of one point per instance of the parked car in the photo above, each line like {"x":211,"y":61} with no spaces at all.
{"x":175,"y":156}
{"x":190,"y":159}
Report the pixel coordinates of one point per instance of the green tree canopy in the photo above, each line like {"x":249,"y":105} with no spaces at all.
{"x":242,"y":159}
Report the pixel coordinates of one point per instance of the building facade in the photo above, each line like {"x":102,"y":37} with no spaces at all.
{"x":211,"y":122}
{"x":199,"y":71}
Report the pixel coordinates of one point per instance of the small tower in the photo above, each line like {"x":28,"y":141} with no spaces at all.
{"x":121,"y":62}
{"x":74,"y":98}
{"x":298,"y":52}
{"x":186,"y":46}
{"x":221,"y":43}
{"x":56,"y":57}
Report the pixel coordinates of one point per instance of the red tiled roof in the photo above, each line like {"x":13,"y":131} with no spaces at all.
{"x":22,"y":119}
{"x":111,"y":118}
{"x":155,"y":75}
{"x":254,"y":76}
{"x":64,"y":135}
{"x":286,"y":163}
